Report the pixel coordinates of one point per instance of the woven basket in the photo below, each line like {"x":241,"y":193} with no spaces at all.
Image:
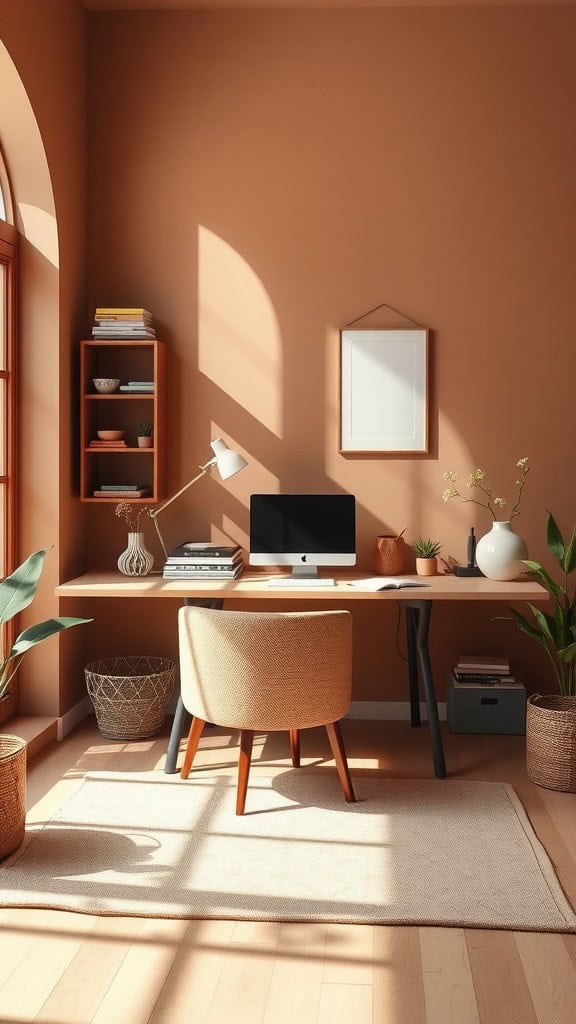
{"x":551,"y":742}
{"x":130,"y":695}
{"x":12,"y":793}
{"x":390,"y":555}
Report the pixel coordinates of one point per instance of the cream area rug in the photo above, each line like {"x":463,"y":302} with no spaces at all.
{"x":431,"y":852}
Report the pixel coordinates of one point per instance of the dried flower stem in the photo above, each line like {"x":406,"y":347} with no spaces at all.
{"x":492,"y":502}
{"x":131,"y":514}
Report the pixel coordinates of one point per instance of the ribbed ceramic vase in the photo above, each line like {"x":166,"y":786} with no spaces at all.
{"x":499,"y":553}
{"x":136,"y":560}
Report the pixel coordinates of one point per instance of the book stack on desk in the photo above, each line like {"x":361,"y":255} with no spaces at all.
{"x":483,"y":671}
{"x":198,"y":560}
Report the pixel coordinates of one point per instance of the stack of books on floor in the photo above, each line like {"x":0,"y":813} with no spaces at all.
{"x":129,"y":323}
{"x":472,"y":670}
{"x":122,"y":491}
{"x":138,"y":386}
{"x":196,"y":561}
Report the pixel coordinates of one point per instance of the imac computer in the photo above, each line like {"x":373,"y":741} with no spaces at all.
{"x":304,"y":531}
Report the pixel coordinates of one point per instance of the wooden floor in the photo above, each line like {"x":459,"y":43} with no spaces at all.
{"x":66,"y":968}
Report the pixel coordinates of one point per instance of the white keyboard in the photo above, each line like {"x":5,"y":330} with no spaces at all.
{"x":290,"y":582}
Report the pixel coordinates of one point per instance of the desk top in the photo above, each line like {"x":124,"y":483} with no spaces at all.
{"x":252,"y":586}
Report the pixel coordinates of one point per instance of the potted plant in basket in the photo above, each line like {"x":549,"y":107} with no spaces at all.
{"x":16,"y":593}
{"x":427,"y":552}
{"x":551,"y":719}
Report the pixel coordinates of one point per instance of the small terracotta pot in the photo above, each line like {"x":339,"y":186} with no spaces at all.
{"x":145,"y":442}
{"x":427,"y":566}
{"x":390,"y":555}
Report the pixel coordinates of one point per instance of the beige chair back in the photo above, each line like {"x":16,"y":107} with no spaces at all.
{"x":265,"y":671}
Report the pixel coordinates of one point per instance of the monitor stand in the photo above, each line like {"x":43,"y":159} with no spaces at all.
{"x":304,"y":572}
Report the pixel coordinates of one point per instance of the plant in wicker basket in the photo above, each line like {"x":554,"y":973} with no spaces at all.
{"x":16,"y":593}
{"x":551,"y":719}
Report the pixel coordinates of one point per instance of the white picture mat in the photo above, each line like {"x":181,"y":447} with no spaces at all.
{"x":384,"y":390}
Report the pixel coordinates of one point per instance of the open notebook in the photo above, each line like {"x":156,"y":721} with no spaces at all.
{"x":385,"y":583}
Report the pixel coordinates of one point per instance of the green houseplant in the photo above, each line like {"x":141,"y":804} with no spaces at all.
{"x":551,"y":719}
{"x":17,"y":593}
{"x":427,"y":551}
{"x":426,"y":548}
{"x":145,"y":431}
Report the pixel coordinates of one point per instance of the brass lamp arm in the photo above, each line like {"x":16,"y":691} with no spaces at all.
{"x":154,"y":513}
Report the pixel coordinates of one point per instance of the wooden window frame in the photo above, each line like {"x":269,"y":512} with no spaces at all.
{"x":8,"y":435}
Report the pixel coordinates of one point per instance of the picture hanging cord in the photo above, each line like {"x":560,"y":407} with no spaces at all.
{"x":383,"y":305}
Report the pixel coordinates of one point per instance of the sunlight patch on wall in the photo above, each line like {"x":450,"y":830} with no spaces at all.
{"x":457,"y":457}
{"x":231,"y":532}
{"x":41,"y":231}
{"x":239,"y":342}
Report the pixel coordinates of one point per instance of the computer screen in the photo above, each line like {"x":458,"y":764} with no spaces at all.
{"x":302,"y":530}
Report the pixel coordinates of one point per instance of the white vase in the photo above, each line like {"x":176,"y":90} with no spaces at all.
{"x":499,"y":553}
{"x":136,"y":560}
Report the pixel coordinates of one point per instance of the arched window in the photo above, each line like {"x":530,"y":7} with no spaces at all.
{"x":8,"y":320}
{"x":6,"y":209}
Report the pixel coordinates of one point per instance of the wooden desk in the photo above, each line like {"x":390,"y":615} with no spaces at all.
{"x":251,"y":586}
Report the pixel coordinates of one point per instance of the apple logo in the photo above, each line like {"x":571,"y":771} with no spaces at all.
{"x":303,"y":559}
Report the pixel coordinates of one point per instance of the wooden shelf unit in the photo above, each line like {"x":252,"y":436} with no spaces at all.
{"x":126,"y":360}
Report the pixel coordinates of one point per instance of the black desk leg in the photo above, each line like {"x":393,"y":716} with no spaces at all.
{"x":423,"y":611}
{"x":411,"y":623}
{"x":183,"y":718}
{"x":180,"y":726}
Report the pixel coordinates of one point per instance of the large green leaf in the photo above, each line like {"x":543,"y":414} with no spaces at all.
{"x":17,"y":591}
{"x":555,"y":540}
{"x":41,"y":631}
{"x":528,"y":628}
{"x":570,"y":556}
{"x":546,"y":580}
{"x":548,"y":625}
{"x":568,"y":653}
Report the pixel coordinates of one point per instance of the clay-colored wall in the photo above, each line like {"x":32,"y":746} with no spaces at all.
{"x":263,"y":180}
{"x":258,"y":179}
{"x":42,"y":131}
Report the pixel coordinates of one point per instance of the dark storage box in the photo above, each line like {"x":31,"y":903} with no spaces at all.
{"x":486,"y":709}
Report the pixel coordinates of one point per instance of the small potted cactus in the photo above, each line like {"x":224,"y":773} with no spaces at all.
{"x":145,"y":439}
{"x":427,"y":552}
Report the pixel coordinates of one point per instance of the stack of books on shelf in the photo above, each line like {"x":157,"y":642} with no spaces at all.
{"x":96,"y":443}
{"x":138,"y":386}
{"x":129,"y":323}
{"x":472,"y":670}
{"x":122,"y":491}
{"x":196,"y":561}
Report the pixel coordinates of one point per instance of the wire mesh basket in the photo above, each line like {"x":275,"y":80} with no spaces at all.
{"x":130,"y":694}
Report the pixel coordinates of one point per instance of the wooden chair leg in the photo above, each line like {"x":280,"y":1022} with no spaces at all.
{"x":335,"y":737}
{"x":295,"y":747}
{"x":192,"y":746}
{"x":246,"y":740}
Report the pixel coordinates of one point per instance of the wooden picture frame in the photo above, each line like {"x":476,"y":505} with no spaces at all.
{"x":384,"y":391}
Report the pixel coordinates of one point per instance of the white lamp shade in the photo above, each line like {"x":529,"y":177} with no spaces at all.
{"x":227,"y":462}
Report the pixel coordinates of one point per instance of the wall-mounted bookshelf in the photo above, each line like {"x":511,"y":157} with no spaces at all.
{"x":124,"y":463}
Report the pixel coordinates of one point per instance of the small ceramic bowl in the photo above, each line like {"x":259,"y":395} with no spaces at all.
{"x":105,"y":385}
{"x":110,"y":435}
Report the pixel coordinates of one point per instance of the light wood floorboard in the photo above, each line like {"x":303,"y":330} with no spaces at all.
{"x":64,"y":968}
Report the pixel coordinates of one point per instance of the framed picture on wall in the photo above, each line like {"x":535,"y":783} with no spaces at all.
{"x":384,"y":391}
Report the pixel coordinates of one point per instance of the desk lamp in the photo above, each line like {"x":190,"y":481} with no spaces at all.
{"x":226,"y":462}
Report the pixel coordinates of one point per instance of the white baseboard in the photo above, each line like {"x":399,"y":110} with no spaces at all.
{"x":390,"y":710}
{"x":71,"y":719}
